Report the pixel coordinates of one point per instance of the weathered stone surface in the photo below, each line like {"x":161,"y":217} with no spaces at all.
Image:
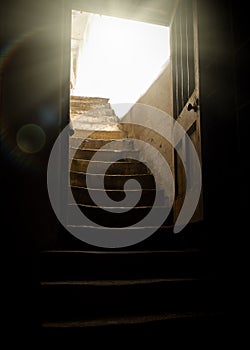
{"x":111,"y":181}
{"x":92,"y":113}
{"x":107,"y":155}
{"x":100,"y":134}
{"x":126,"y":167}
{"x":95,"y":144}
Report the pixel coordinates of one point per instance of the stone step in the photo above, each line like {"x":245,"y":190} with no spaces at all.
{"x":112,"y":218}
{"x":95,"y":112}
{"x":105,"y":155}
{"x":76,"y":113}
{"x":90,"y":104}
{"x":85,"y":99}
{"x":100,"y":134}
{"x":125,"y":167}
{"x":88,"y":119}
{"x":113,"y":264}
{"x":111,"y":181}
{"x":147,"y":196}
{"x":95,"y":126}
{"x":100,"y":298}
{"x":147,"y":231}
{"x":159,"y":323}
{"x":120,"y":144}
{"x":87,"y":104}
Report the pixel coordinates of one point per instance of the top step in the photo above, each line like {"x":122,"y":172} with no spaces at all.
{"x":90,"y":100}
{"x":88,"y":103}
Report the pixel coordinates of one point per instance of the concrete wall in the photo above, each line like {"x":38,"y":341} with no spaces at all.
{"x":159,"y":94}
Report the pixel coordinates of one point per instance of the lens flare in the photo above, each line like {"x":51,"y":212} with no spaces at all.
{"x":30,"y":138}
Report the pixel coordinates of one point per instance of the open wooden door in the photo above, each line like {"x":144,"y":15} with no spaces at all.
{"x":185,"y":73}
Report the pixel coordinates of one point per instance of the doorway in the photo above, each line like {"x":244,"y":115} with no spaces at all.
{"x":120,"y":59}
{"x":167,"y":82}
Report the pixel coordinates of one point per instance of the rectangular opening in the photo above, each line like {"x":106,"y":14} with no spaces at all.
{"x":116,"y":58}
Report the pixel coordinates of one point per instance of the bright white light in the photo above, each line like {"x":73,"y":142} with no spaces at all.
{"x":120,"y":59}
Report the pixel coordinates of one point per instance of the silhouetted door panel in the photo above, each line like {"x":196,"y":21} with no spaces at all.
{"x":185,"y":72}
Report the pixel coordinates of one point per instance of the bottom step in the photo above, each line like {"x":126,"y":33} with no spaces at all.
{"x":183,"y":329}
{"x":133,"y":320}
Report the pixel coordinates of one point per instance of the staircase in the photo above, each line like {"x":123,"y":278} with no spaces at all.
{"x":146,"y":287}
{"x":93,"y":114}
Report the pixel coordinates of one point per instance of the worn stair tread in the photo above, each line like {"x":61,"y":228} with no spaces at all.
{"x":121,"y":207}
{"x":125,"y":166}
{"x":105,"y":150}
{"x":95,"y":126}
{"x":133,"y":228}
{"x":67,"y":264}
{"x":100,"y":134}
{"x":117,"y":283}
{"x":115,"y":216}
{"x":128,"y":320}
{"x":89,"y":139}
{"x":81,"y":143}
{"x":125,"y":252}
{"x":113,"y":176}
{"x":110,"y":180}
{"x":125,"y":162}
{"x":115,"y":190}
{"x":109,"y":154}
{"x":94,"y":113}
{"x":88,"y":99}
{"x":84,"y":195}
{"x":107,"y":162}
{"x":98,"y":117}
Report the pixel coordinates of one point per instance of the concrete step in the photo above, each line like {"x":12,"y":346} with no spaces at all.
{"x":159,"y":323}
{"x":112,"y":219}
{"x":67,"y":300}
{"x":86,"y":99}
{"x":106,"y":155}
{"x":98,"y":111}
{"x":126,"y":264}
{"x":111,"y":181}
{"x":100,"y":134}
{"x":156,"y":235}
{"x":120,"y":144}
{"x":125,"y":167}
{"x":95,"y":126}
{"x":87,"y":103}
{"x":147,"y":196}
{"x":101,"y":117}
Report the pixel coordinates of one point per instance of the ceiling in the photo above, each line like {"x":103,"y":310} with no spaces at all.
{"x":152,"y":11}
